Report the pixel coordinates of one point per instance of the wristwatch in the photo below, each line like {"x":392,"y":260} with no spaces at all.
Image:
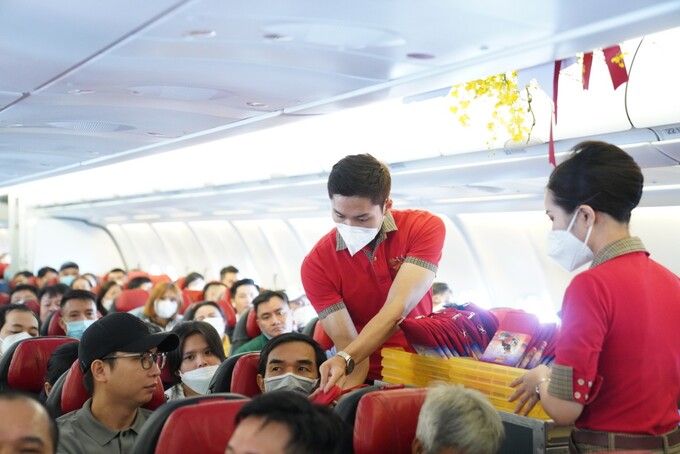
{"x":348,"y":360}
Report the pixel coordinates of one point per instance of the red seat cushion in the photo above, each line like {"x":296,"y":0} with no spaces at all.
{"x":54,"y":329}
{"x":244,"y":376}
{"x":386,"y":421}
{"x":204,"y":428}
{"x":29,"y":362}
{"x":74,"y":395}
{"x":229,"y":312}
{"x":252,"y":328}
{"x":131,"y":299}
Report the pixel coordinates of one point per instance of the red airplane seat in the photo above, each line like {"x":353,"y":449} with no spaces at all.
{"x":34,"y":306}
{"x":321,"y":337}
{"x":54,"y":329}
{"x":137,"y":273}
{"x":229,"y":312}
{"x":160,"y":279}
{"x":194,"y":424}
{"x":252,"y":328}
{"x":244,"y":376}
{"x":131,"y":299}
{"x":24,"y":365}
{"x":73,"y":394}
{"x":180,"y":282}
{"x":190,"y":297}
{"x":4,"y":298}
{"x":386,"y":421}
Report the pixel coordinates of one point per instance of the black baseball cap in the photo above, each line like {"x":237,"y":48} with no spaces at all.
{"x":121,"y":332}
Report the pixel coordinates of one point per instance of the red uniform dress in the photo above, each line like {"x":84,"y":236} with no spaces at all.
{"x":334,"y":280}
{"x":619,"y":352}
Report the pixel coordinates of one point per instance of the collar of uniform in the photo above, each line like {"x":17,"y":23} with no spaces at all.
{"x":101,"y":433}
{"x":617,"y":248}
{"x":388,"y":225}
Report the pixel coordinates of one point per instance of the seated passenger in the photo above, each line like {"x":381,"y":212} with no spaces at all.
{"x":143,"y":282}
{"x":211,"y":313}
{"x":120,"y":359}
{"x":22,"y":293}
{"x":243,"y":293}
{"x":162,"y":307}
{"x":61,"y":360}
{"x":78,"y":312}
{"x":106,"y":295}
{"x":273,"y":317}
{"x":68,"y":272}
{"x":194,"y":362}
{"x":21,"y":278}
{"x":457,"y":420}
{"x":25,"y":425}
{"x":45,"y":276}
{"x":290,"y":362}
{"x":214,"y":291}
{"x":17,"y":322}
{"x":50,"y":299}
{"x":81,"y":283}
{"x":229,"y":275}
{"x":193,"y":281}
{"x":283,"y":422}
{"x":117,"y":275}
{"x":303,"y":311}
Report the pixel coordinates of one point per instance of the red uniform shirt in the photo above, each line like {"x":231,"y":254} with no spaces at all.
{"x":333,"y":279}
{"x":620,"y":343}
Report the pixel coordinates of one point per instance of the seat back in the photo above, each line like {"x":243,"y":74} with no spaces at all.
{"x":386,"y":420}
{"x":221,"y":381}
{"x":131,"y":299}
{"x":229,"y":312}
{"x":194,"y":424}
{"x":74,"y":395}
{"x":252,"y":328}
{"x":24,"y":365}
{"x":241,"y":334}
{"x":54,"y":329}
{"x":244,"y":376}
{"x":33,"y":305}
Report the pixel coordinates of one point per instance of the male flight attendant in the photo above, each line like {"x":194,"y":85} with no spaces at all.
{"x":376,"y":267}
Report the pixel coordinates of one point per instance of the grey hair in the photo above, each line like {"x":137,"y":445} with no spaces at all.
{"x":454,"y":417}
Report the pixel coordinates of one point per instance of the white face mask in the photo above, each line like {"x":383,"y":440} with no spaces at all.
{"x":290,"y":382}
{"x":217,"y":323}
{"x":199,"y":379}
{"x":165,"y":308}
{"x":12,"y":339}
{"x":567,"y":250}
{"x":356,"y":237}
{"x":107,"y":304}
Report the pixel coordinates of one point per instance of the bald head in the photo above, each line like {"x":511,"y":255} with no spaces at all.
{"x":26,"y":426}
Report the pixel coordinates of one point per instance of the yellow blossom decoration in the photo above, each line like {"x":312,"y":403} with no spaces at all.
{"x":508,"y":111}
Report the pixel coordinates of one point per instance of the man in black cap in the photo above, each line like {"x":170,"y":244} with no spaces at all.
{"x":121,"y":361}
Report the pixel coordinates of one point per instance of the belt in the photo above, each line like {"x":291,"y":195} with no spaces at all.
{"x":627,"y":441}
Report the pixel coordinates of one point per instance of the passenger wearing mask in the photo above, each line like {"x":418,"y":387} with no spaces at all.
{"x":290,"y":362}
{"x":68,"y":272}
{"x":122,"y":363}
{"x":50,"y":300}
{"x":81,"y":283}
{"x":616,"y":374}
{"x":212,"y":314}
{"x":22,"y":293}
{"x":274,"y":318}
{"x":78,"y":312}
{"x":17,"y":322}
{"x":106,"y":295}
{"x":194,"y":362}
{"x":162,"y":307}
{"x":194,"y":281}
{"x":243,"y":293}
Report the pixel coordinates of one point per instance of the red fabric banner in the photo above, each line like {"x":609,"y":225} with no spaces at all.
{"x":587,"y":65}
{"x":617,"y":67}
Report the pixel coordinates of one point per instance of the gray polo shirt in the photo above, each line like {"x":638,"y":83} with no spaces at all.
{"x":81,"y":433}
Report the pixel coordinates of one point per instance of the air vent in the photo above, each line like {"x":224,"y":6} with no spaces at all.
{"x":179,"y":92}
{"x":90,"y":126}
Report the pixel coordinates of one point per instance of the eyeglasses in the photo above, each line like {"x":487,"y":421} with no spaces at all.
{"x":147,"y":359}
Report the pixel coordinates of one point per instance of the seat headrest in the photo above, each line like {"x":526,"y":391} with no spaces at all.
{"x":229,"y":312}
{"x":131,"y":299}
{"x":28,"y":362}
{"x":386,"y":421}
{"x":252,"y":329}
{"x":74,"y":395}
{"x":206,"y":427}
{"x":244,"y":376}
{"x":54,"y":329}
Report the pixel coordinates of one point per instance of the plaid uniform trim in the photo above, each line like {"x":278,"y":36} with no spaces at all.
{"x":388,"y":225}
{"x":617,"y":248}
{"x":561,"y":382}
{"x":332,"y":308}
{"x":424,"y":263}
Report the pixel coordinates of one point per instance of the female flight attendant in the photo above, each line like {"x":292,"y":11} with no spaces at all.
{"x":616,"y":374}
